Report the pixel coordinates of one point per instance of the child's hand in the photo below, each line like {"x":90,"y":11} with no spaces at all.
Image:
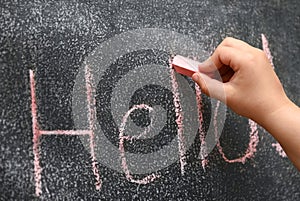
{"x":251,"y":86}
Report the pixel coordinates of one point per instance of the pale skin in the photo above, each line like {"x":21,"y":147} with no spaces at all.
{"x":253,"y":90}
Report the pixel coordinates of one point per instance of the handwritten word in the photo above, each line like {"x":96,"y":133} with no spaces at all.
{"x":91,"y":105}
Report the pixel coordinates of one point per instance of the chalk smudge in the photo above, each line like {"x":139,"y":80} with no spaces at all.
{"x":203,"y":149}
{"x":279,"y":149}
{"x":179,"y":119}
{"x":122,"y":139}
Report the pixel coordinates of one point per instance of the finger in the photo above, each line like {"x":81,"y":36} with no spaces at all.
{"x":228,"y":56}
{"x":235,"y":43}
{"x":208,"y":66}
{"x":211,"y":87}
{"x":218,"y":72}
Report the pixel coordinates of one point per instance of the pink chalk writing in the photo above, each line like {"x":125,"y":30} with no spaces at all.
{"x":123,"y":137}
{"x":91,"y":102}
{"x":37,"y":133}
{"x":65,"y":132}
{"x":203,"y":151}
{"x":279,"y":149}
{"x":91,"y":105}
{"x":179,"y":119}
{"x":36,"y":136}
{"x":265,"y":46}
{"x":253,"y":142}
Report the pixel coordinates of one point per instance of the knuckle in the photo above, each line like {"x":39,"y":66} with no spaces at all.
{"x":228,"y":40}
{"x":220,"y":49}
{"x":250,"y":57}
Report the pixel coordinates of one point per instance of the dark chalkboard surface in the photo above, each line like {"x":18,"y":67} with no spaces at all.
{"x":90,"y":109}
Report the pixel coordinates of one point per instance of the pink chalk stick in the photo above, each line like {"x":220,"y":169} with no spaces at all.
{"x":184,"y":66}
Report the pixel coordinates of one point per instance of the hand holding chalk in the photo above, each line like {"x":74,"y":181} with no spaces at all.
{"x":189,"y":67}
{"x":252,"y":89}
{"x":251,"y":86}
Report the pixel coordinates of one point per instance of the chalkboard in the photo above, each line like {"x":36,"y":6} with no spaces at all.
{"x":91,"y":110}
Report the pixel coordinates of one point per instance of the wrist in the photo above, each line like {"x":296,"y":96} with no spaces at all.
{"x":281,"y":114}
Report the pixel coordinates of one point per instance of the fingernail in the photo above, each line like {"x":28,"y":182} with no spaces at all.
{"x":196,"y":77}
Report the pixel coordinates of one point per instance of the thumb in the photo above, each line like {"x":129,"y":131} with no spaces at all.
{"x":211,"y":87}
